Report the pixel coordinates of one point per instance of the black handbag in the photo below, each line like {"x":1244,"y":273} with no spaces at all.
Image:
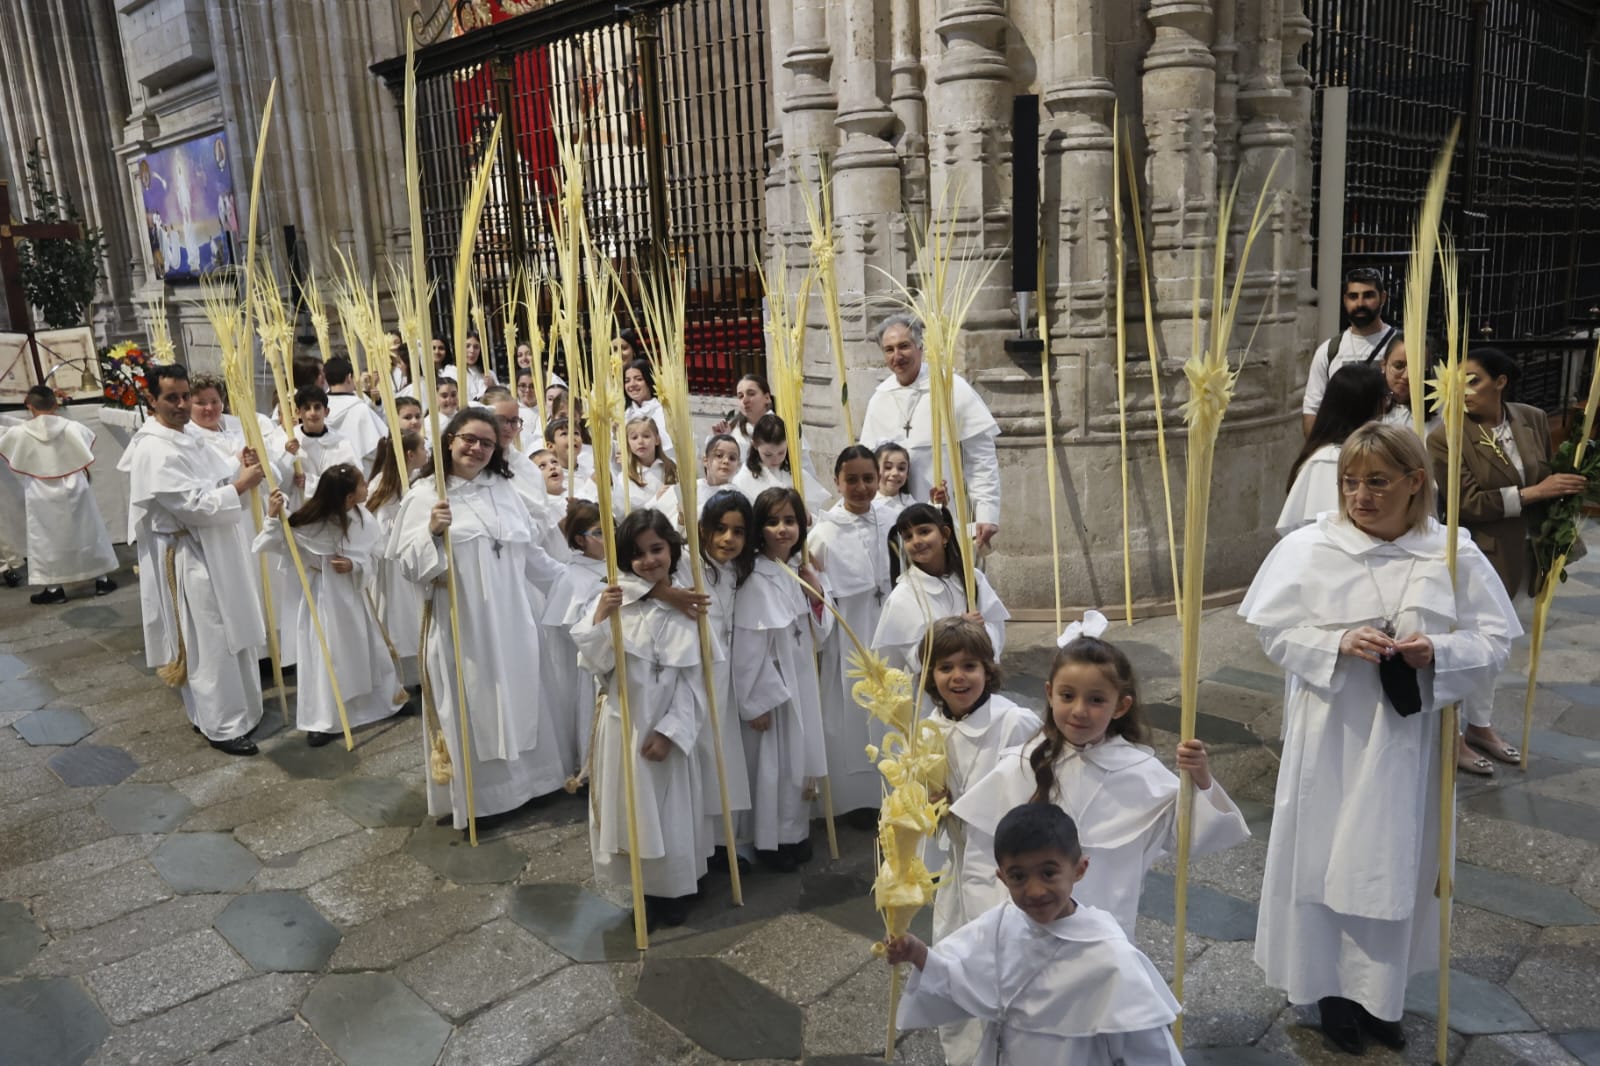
{"x":1399,"y":680}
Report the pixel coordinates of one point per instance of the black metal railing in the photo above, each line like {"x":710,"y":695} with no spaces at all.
{"x":672,"y":101}
{"x":1521,"y":76}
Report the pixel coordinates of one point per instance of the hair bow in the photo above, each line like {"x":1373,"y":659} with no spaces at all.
{"x":1094,"y":623}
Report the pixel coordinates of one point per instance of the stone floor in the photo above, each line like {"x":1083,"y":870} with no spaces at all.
{"x":161,"y":903}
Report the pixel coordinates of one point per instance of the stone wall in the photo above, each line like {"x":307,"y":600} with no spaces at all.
{"x":913,"y":101}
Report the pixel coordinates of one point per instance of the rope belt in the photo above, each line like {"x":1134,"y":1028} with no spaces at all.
{"x":439,"y":767}
{"x":176,"y":672}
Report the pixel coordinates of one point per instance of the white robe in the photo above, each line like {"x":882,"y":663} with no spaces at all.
{"x":889,"y":507}
{"x":721,"y":587}
{"x":704,"y":490}
{"x":66,"y":538}
{"x":1347,"y":904}
{"x":892,"y":405}
{"x":359,"y":423}
{"x":474,"y":382}
{"x":515,"y":747}
{"x":653,"y":410}
{"x":1126,"y":806}
{"x":816,"y":494}
{"x":665,"y":695}
{"x":1315,"y":490}
{"x":628,"y":495}
{"x":919,"y":599}
{"x":775,"y":635}
{"x":318,"y":454}
{"x":853,"y":551}
{"x":369,"y":683}
{"x":398,"y":599}
{"x":572,"y":690}
{"x":1074,"y":992}
{"x":180,"y":495}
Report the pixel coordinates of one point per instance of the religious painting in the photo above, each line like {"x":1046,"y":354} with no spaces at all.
{"x":67,"y":357}
{"x":16,"y":368}
{"x":190,"y":215}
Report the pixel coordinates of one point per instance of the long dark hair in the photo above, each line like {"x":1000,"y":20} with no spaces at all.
{"x":1497,"y":364}
{"x":637,"y":522}
{"x":642,"y":366}
{"x":711,"y":517}
{"x":327,"y":503}
{"x":497,"y":459}
{"x":924,"y":514}
{"x":769,"y":429}
{"x":768,"y":502}
{"x":855,"y":451}
{"x":1355,"y":397}
{"x":391,"y":482}
{"x":1111,"y":661}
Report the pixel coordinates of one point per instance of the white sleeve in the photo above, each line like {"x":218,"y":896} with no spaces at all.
{"x":981,"y":464}
{"x":1511,"y":499}
{"x":1316,"y":381}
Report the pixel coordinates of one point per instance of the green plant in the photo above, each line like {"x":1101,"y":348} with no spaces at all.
{"x":1558,"y":529}
{"x":58,"y":276}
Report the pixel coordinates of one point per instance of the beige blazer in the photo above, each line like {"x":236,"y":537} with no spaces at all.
{"x":1483,"y":474}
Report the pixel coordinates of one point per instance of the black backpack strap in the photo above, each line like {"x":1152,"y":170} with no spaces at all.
{"x":1333,"y":348}
{"x":1382,"y":346}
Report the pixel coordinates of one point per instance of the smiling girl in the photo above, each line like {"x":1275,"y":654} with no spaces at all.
{"x":777,"y":625}
{"x":1090,"y":760}
{"x":649,"y":473}
{"x":728,"y":549}
{"x":768,"y":465}
{"x":894,"y":470}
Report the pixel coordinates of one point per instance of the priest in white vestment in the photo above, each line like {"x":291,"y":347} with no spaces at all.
{"x":66,"y":538}
{"x":1348,"y":911}
{"x":901,"y":410}
{"x":202,"y":616}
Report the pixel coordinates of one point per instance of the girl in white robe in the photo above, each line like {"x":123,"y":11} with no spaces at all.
{"x":648,"y":474}
{"x":1355,"y":397}
{"x":729,"y":554}
{"x":639,"y":385}
{"x":1348,"y":911}
{"x":931,"y":588}
{"x":777,"y":626}
{"x":515,"y":750}
{"x":850,"y":546}
{"x":721,"y":463}
{"x":1090,"y":760}
{"x":570,"y":687}
{"x":768,"y":466}
{"x":963,"y":681}
{"x":398,"y":601}
{"x":894,"y":471}
{"x":667,"y":708}
{"x":338,"y":542}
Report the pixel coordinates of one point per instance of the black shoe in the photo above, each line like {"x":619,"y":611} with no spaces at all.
{"x":11,"y":578}
{"x":1389,"y":1034}
{"x":237,"y":746}
{"x":862,"y":818}
{"x":317,"y":740}
{"x":801,"y":850}
{"x":1341,"y":1024}
{"x":104,"y":586}
{"x":665,"y":912}
{"x":51,"y":594}
{"x":197,"y":730}
{"x":781,"y":860}
{"x":719,"y":860}
{"x":409,"y":709}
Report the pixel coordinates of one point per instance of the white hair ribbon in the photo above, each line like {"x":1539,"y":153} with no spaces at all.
{"x":1094,"y":623}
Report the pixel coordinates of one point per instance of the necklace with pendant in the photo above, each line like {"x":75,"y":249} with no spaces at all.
{"x":1491,"y":441}
{"x":496,"y":540}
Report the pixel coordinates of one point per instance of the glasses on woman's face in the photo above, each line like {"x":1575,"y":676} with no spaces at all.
{"x":593,"y":534}
{"x":1376,"y":484}
{"x":471,"y":443}
{"x":513,"y":421}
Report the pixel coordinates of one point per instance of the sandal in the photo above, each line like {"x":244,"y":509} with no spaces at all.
{"x":1469,"y":763}
{"x":1498,"y":749}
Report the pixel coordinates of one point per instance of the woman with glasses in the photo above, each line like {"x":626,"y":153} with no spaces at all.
{"x":516,"y":750}
{"x":1374,"y":638}
{"x":1354,"y":398}
{"x":1506,"y":482}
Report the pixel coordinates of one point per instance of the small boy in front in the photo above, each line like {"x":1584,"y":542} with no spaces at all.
{"x":1053,"y":981}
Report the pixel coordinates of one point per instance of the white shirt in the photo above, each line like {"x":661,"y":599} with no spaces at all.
{"x":1353,"y":348}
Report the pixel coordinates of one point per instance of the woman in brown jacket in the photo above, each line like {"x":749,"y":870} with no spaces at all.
{"x":1505,"y":480}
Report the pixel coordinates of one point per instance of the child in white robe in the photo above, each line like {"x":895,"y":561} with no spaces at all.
{"x":318,"y":446}
{"x":514,"y":746}
{"x":338,"y":542}
{"x":777,"y":625}
{"x":850,"y":546}
{"x":932,"y":587}
{"x":648,"y":473}
{"x":1053,"y":980}
{"x":728,"y":551}
{"x":894,"y":471}
{"x":639,"y":386}
{"x":978,"y":723}
{"x":1090,"y":760}
{"x":399,"y":605}
{"x":576,"y":458}
{"x":721,"y":463}
{"x":767,"y":465}
{"x":554,"y":480}
{"x":570,"y":687}
{"x":667,"y":708}
{"x":66,"y":539}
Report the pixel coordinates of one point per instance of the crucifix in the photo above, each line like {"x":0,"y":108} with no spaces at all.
{"x":11,"y":266}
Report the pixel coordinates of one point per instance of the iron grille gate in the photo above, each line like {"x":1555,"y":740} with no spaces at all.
{"x":672,"y":101}
{"x":1521,"y":74}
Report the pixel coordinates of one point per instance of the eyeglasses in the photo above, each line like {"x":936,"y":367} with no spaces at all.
{"x":512,"y":421}
{"x":469,"y":441}
{"x":1377,"y":484}
{"x":596,"y":532}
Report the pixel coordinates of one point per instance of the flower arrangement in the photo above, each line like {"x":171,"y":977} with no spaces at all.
{"x":122,"y":370}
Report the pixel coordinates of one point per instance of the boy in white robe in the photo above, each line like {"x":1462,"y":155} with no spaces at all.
{"x":351,"y":415}
{"x":1053,"y":981}
{"x":318,"y":445}
{"x":202,"y":617}
{"x":66,"y":539}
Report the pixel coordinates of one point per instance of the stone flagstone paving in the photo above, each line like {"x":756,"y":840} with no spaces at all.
{"x":162,"y":903}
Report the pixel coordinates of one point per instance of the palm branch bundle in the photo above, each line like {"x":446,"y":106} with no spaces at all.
{"x":824,"y":252}
{"x":1419,"y":277}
